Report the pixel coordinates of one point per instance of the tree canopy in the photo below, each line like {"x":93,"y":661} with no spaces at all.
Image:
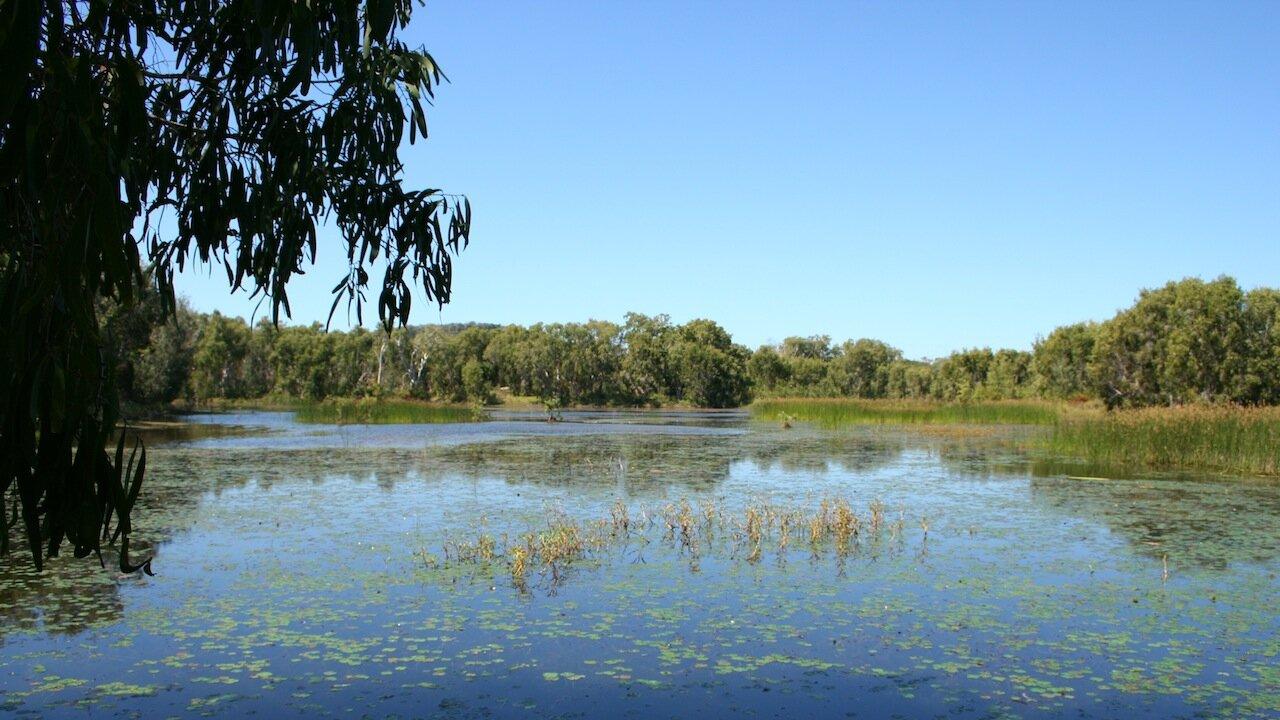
{"x":136,"y":138}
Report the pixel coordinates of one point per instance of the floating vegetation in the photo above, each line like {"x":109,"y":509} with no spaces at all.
{"x":833,"y":413}
{"x":790,"y":573}
{"x":549,"y":552}
{"x":383,"y":412}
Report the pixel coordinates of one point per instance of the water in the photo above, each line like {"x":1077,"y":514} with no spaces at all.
{"x":302,"y":571}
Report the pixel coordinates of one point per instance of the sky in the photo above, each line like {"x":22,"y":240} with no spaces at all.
{"x":934,"y":175}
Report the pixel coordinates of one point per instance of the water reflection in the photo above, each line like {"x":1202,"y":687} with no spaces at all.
{"x":292,"y":581}
{"x":70,"y":597}
{"x":1207,"y":523}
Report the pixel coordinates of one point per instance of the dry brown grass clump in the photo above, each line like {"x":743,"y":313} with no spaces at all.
{"x":692,"y":530}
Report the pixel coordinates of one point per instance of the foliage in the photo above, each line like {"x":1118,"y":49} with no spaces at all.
{"x":861,"y":369}
{"x":649,"y":361}
{"x":709,"y":370}
{"x":1187,"y":341}
{"x":1060,"y":362}
{"x":1190,"y":341}
{"x":162,"y":133}
{"x":645,"y":362}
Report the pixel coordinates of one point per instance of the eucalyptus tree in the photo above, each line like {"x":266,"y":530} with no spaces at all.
{"x":217,"y":363}
{"x":710,"y":369}
{"x":1060,"y":361}
{"x":861,"y":368}
{"x":138,"y":138}
{"x":766,"y":369}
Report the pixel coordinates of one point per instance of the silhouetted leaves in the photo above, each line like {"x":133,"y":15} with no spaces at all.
{"x":138,"y":137}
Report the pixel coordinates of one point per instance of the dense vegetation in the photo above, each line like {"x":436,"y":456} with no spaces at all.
{"x":646,"y":360}
{"x":829,"y":412}
{"x":1188,"y":342}
{"x":1218,"y":439}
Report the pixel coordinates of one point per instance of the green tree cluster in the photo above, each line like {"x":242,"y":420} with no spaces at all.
{"x":1189,"y":341}
{"x":645,"y":361}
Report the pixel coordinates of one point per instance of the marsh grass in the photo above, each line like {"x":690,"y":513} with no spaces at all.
{"x":544,"y":557}
{"x":1223,"y":439}
{"x":383,"y":412}
{"x":832,"y":413}
{"x":1219,"y":439}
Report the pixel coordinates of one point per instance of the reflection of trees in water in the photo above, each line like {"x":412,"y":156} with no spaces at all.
{"x":970,"y":460}
{"x":72,"y":595}
{"x":985,"y":453}
{"x":817,"y":453}
{"x":692,"y":461}
{"x":69,"y":597}
{"x":1206,"y":523}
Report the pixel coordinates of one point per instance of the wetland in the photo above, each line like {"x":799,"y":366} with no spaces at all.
{"x":670,"y":564}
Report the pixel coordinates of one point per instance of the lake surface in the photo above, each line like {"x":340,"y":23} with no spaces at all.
{"x":308,"y":571}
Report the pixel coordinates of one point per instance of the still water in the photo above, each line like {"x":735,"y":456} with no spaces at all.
{"x":308,"y":570}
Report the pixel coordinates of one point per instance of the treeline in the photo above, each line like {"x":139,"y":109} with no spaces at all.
{"x":645,"y":361}
{"x":1189,"y":341}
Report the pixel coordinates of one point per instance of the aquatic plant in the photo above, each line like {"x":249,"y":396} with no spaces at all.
{"x":1224,"y":439}
{"x":620,"y":518}
{"x":383,"y":412}
{"x":684,"y":527}
{"x":840,"y":412}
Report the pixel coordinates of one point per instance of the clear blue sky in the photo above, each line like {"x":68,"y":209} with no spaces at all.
{"x":937,"y":175}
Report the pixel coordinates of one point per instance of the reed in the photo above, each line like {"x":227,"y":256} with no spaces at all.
{"x":1217,"y":439}
{"x":839,"y":412}
{"x":620,"y":518}
{"x":834,"y":525}
{"x":368,"y":411}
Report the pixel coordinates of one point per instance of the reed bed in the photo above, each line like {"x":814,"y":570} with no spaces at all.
{"x":1219,"y":439}
{"x":837,"y":412}
{"x":1222,"y":439}
{"x":544,"y":556}
{"x":383,"y":412}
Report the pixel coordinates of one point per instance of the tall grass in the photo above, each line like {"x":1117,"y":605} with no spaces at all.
{"x":383,"y":412}
{"x":1217,"y":439}
{"x":1221,"y":439}
{"x":839,"y":412}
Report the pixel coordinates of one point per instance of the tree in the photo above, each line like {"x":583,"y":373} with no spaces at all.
{"x":1060,"y":362}
{"x":960,"y":375}
{"x":766,"y":368}
{"x":151,"y":350}
{"x":217,"y":368}
{"x":910,"y":379}
{"x":1259,"y":383}
{"x":248,"y":125}
{"x":710,"y":369}
{"x":646,"y":366}
{"x":1008,"y":376}
{"x":1184,"y":342}
{"x":507,"y":355}
{"x":814,"y":347}
{"x":475,"y":381}
{"x":861,"y":369}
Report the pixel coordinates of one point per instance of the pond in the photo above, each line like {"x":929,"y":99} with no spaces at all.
{"x":307,"y":571}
